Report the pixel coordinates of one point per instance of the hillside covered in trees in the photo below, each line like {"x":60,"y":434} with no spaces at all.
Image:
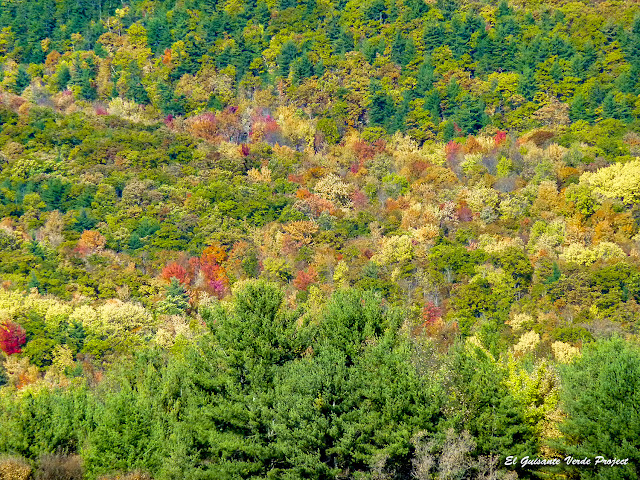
{"x":368,"y":240}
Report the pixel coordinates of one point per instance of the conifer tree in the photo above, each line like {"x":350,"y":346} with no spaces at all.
{"x":22,"y":80}
{"x":600,"y":396}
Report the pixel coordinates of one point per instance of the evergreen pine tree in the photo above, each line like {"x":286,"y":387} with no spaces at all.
{"x":409,"y":51}
{"x":580,"y":109}
{"x":381,"y":108}
{"x":158,"y":34}
{"x":481,"y":404}
{"x":176,"y":300}
{"x":600,"y":396}
{"x":302,"y":68}
{"x":470,"y":116}
{"x":134,"y":242}
{"x":135,"y":91}
{"x":318,"y":68}
{"x":83,"y":221}
{"x":448,"y":131}
{"x":433,"y":36}
{"x":425,"y":79}
{"x":262,"y":13}
{"x":627,"y":82}
{"x":503,"y":9}
{"x":527,"y":84}
{"x":22,"y":80}
{"x":376,"y":11}
{"x":415,"y":9}
{"x":63,"y":77}
{"x":34,"y":282}
{"x":87,"y":88}
{"x":448,"y":7}
{"x":397,"y":48}
{"x":609,"y":106}
{"x":432,"y":105}
{"x":284,"y":4}
{"x":169,"y":104}
{"x":287,"y":55}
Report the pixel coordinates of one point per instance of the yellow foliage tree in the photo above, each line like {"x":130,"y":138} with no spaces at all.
{"x":577,"y":253}
{"x":619,"y":181}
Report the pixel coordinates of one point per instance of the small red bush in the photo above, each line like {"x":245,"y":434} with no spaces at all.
{"x":12,"y":337}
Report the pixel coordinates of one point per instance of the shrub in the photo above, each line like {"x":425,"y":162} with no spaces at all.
{"x":60,"y":467}
{"x":14,"y":468}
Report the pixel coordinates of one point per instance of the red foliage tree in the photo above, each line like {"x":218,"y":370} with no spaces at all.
{"x":452,"y":149}
{"x":175,"y":270}
{"x":431,"y":320}
{"x":304,"y":279}
{"x":464,"y":213}
{"x":204,"y":272}
{"x":359,"y":199}
{"x":214,"y":274}
{"x":271,"y":130}
{"x":430,"y":313}
{"x":363,"y":150}
{"x":12,"y":337}
{"x":418,"y":167}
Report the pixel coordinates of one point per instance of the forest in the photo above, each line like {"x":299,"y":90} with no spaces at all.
{"x":319,"y":239}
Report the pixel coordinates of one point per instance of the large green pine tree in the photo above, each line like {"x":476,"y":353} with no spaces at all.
{"x":600,"y":397}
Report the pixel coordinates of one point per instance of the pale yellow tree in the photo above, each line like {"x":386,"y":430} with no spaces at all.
{"x":619,"y":181}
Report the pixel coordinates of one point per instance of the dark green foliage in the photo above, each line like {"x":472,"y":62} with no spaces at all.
{"x":83,"y":221}
{"x":376,"y":11}
{"x":46,"y":421}
{"x":527,"y":85}
{"x":481,"y":49}
{"x":4,"y":379}
{"x":87,"y":90}
{"x":600,"y":397}
{"x":517,"y":265}
{"x":55,"y":193}
{"x":169,"y":103}
{"x":303,"y":68}
{"x":158,"y":34}
{"x":135,"y":89}
{"x":176,"y":300}
{"x":22,"y":80}
{"x":581,"y":109}
{"x":470,"y":116}
{"x":146,"y":227}
{"x":555,"y":275}
{"x":129,"y":422}
{"x":425,"y":78}
{"x":288,"y":54}
{"x":480,"y":403}
{"x":456,"y":259}
{"x":33,"y":282}
{"x":134,"y":242}
{"x":381,"y":109}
